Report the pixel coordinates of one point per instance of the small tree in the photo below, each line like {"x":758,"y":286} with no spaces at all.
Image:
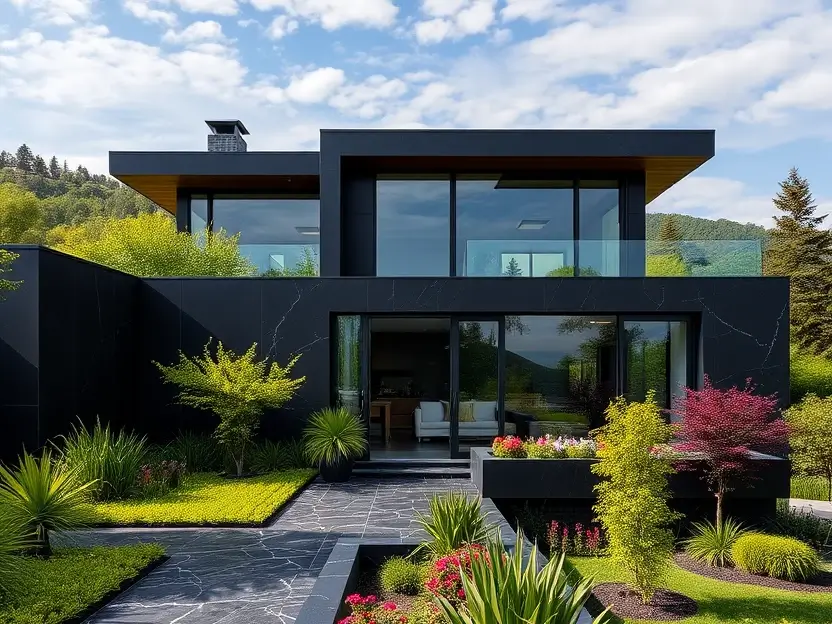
{"x":633,"y":494}
{"x":722,"y":427}
{"x":6,"y":259}
{"x":810,"y":435}
{"x":236,"y":388}
{"x":513,"y":268}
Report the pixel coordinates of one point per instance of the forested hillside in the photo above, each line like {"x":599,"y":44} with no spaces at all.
{"x":697,"y":228}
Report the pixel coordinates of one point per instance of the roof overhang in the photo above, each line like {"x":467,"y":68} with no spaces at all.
{"x":158,"y":175}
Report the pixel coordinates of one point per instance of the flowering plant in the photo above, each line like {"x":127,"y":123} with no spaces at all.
{"x":579,"y":540}
{"x":509,"y":446}
{"x":367,"y":610}
{"x":446,"y":579}
{"x":544,"y":447}
{"x":161,"y":477}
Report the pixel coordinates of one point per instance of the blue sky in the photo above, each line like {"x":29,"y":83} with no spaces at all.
{"x":81,"y":77}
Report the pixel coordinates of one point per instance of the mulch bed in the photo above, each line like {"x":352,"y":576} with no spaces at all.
{"x":368,"y":584}
{"x":664,"y":606}
{"x":822,"y":582}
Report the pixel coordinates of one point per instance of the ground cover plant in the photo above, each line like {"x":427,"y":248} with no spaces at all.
{"x":66,"y":585}
{"x":206,"y":499}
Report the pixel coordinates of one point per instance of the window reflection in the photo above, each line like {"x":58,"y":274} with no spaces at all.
{"x":657,"y":358}
{"x":413,"y":226}
{"x":199,"y":213}
{"x":598,"y":252}
{"x":514,"y":228}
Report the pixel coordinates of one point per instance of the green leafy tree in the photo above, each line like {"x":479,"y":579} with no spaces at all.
{"x":513,"y":269}
{"x":25,"y":159}
{"x":148,"y":245}
{"x":237,"y":388}
{"x":6,"y":259}
{"x":666,"y":265}
{"x":810,"y":437}
{"x":306,"y":267}
{"x":19,"y":215}
{"x":801,"y":249}
{"x":633,"y":494}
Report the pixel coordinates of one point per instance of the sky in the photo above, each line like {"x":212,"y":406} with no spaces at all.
{"x":81,"y":77}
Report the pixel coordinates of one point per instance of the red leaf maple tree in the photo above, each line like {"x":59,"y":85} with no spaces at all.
{"x":722,"y":427}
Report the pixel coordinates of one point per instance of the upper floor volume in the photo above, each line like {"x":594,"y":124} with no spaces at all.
{"x":439,"y":203}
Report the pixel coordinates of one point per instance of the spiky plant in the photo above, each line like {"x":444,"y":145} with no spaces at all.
{"x":334,"y":434}
{"x":711,"y":543}
{"x":453,"y":520}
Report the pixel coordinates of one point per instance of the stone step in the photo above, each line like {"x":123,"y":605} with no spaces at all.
{"x":434,"y":472}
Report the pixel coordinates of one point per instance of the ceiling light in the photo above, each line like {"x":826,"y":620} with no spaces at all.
{"x":308,"y":231}
{"x":532,"y":224}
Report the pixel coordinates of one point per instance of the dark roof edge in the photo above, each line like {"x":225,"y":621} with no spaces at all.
{"x":214,"y":163}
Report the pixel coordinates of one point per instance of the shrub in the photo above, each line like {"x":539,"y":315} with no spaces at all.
{"x":445,"y":578}
{"x":401,"y":576}
{"x":267,"y":456}
{"x":809,"y":374}
{"x":802,"y":525}
{"x":42,"y":496}
{"x":711,"y":543}
{"x":633,"y":494}
{"x":12,"y":542}
{"x":670,"y":265}
{"x":775,"y":556}
{"x":334,"y":434}
{"x":109,"y":460}
{"x":159,"y":478}
{"x":295,"y":454}
{"x":810,"y":438}
{"x":580,"y":540}
{"x":510,"y":589}
{"x":809,"y":488}
{"x":509,"y":446}
{"x":6,"y":259}
{"x":453,"y":520}
{"x":238,"y":389}
{"x":199,"y":452}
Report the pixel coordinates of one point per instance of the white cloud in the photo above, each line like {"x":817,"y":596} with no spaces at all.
{"x":453,"y":19}
{"x":142,"y":10}
{"x":715,"y":198}
{"x":315,"y":86}
{"x":215,"y":7}
{"x":57,"y":12}
{"x":370,"y":98}
{"x":335,"y":14}
{"x":196,"y":32}
{"x":532,"y":10}
{"x":281,"y":26}
{"x":811,"y":90}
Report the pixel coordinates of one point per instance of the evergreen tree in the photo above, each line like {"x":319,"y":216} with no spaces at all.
{"x":82,"y":174}
{"x":513,"y":269}
{"x":801,"y":250}
{"x":66,"y":169}
{"x":54,"y":168}
{"x":39,"y":166}
{"x":669,"y":236}
{"x":25,"y":159}
{"x":6,"y":159}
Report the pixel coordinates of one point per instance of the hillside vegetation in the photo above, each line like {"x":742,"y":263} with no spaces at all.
{"x":698,"y":228}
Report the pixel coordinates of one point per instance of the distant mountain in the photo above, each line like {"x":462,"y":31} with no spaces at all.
{"x":697,"y":228}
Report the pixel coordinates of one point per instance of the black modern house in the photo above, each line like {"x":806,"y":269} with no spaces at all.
{"x":447,"y":285}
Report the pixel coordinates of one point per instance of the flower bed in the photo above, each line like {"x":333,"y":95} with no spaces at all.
{"x":544,"y":447}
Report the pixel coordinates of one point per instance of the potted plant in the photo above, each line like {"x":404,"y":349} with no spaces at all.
{"x":334,"y":439}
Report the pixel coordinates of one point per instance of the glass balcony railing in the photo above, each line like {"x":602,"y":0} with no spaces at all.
{"x":613,"y":258}
{"x":283,"y":260}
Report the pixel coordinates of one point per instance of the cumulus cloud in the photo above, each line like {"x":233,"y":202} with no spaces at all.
{"x":315,"y":86}
{"x":281,"y":26}
{"x":197,"y":32}
{"x":453,"y":19}
{"x":56,"y":12}
{"x":335,"y":14}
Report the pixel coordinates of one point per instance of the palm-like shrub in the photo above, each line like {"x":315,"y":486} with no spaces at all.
{"x":197,"y":451}
{"x":110,"y":461}
{"x":504,"y":588}
{"x":294,"y":452}
{"x":775,"y":556}
{"x":712,"y":543}
{"x":334,"y":434}
{"x":453,"y":520}
{"x":268,"y":456}
{"x":42,"y":496}
{"x":237,"y":388}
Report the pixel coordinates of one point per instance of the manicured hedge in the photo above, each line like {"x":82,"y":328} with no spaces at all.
{"x":66,"y":585}
{"x":775,"y":556}
{"x":208,"y":499}
{"x":810,"y":373}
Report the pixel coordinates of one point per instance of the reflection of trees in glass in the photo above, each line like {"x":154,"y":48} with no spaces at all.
{"x":478,"y":360}
{"x":349,"y":352}
{"x":646,"y":367}
{"x":306,"y":267}
{"x":569,"y":271}
{"x":513,"y":269}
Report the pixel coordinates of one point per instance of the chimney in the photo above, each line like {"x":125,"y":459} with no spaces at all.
{"x":226,"y":136}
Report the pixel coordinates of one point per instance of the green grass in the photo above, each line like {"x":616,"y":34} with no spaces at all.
{"x":206,"y":499}
{"x":722,"y":602}
{"x":810,"y":488}
{"x":72,"y":580}
{"x":546,"y":416}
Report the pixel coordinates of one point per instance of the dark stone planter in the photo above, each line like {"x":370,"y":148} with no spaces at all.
{"x":338,"y":472}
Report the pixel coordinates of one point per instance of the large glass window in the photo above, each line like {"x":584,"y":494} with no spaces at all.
{"x":515,"y":228}
{"x":560,"y":368}
{"x":657,"y":359}
{"x":199,"y":213}
{"x":478,"y":374}
{"x":281,"y":236}
{"x":413,"y":226}
{"x":598,"y":252}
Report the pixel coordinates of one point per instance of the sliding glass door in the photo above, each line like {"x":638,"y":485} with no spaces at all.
{"x":351,"y":376}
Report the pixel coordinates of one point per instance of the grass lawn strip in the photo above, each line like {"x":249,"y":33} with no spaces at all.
{"x":207,"y":499}
{"x":64,"y":587}
{"x":721,"y":602}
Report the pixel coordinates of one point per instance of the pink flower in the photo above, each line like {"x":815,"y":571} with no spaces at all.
{"x":389,"y":606}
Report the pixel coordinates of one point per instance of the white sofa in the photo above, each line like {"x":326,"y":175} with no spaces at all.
{"x":429,"y":421}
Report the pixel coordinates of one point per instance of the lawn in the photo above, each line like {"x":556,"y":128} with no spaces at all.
{"x":207,"y":499}
{"x":65,"y":586}
{"x":546,"y":416}
{"x":726,"y":602}
{"x":810,"y":488}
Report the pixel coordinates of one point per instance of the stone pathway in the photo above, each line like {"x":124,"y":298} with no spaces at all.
{"x":822,"y":509}
{"x":235,"y":576}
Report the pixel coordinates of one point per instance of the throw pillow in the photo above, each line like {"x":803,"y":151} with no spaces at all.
{"x":466,"y":411}
{"x":446,"y":410}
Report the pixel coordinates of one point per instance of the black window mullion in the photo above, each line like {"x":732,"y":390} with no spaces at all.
{"x":210,"y":212}
{"x":452,"y":271}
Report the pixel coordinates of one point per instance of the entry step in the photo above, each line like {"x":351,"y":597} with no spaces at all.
{"x":429,"y":468}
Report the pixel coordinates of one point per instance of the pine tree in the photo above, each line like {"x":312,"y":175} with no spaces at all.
{"x":82,"y":174}
{"x":25,"y":159}
{"x":669,"y":236}
{"x":54,"y":168}
{"x":39,"y":166}
{"x":66,"y":169}
{"x":801,"y":250}
{"x":513,"y":269}
{"x":6,"y":159}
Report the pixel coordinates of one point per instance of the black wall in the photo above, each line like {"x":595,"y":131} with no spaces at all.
{"x":78,"y":339}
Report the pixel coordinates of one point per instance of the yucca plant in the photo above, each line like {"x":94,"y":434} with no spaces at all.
{"x":108,"y":459}
{"x":199,"y":452}
{"x":334,"y":435}
{"x":508,"y":589}
{"x":42,"y":496}
{"x":453,"y":520}
{"x":711,"y":543}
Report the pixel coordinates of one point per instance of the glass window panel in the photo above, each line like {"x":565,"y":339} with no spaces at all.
{"x":413,"y":227}
{"x":499,"y":219}
{"x":560,"y":368}
{"x":598,"y":252}
{"x":657,"y":359}
{"x":348,"y":378}
{"x":281,"y":236}
{"x":478,"y":366}
{"x":199,"y":213}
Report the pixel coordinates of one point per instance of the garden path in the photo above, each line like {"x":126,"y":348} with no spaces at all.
{"x":235,"y":576}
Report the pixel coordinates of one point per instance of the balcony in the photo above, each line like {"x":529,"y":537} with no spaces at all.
{"x":613,"y":258}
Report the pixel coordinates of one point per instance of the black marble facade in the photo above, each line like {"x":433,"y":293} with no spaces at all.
{"x":78,"y":339}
